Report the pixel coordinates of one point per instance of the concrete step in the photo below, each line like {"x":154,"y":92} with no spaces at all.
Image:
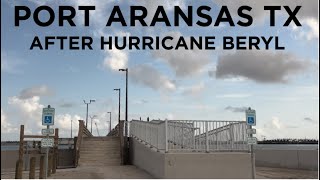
{"x":100,"y":139}
{"x":100,"y":159}
{"x":99,"y":142}
{"x":101,"y":153}
{"x":100,"y":164}
{"x":95,"y":161}
{"x":100,"y":145}
{"x":105,"y":161}
{"x":99,"y":149}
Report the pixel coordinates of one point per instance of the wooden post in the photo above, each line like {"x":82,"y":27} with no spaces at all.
{"x":18,"y":174}
{"x":49,"y":165}
{"x":19,"y":165}
{"x":41,"y":173}
{"x":55,"y":151}
{"x":32,"y":170}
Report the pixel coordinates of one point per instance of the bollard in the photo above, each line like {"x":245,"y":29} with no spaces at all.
{"x":41,"y":173}
{"x":32,"y":170}
{"x":49,"y":165}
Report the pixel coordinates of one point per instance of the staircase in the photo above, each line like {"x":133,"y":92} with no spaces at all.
{"x":100,"y":151}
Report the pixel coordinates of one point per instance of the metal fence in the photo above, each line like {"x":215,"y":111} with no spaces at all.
{"x":191,"y":135}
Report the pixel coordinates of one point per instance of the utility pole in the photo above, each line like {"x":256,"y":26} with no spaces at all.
{"x":126,"y":127}
{"x":91,"y":100}
{"x":110,"y":122}
{"x":97,"y":128}
{"x":119,"y":90}
{"x":92,"y":117}
{"x":71,"y":128}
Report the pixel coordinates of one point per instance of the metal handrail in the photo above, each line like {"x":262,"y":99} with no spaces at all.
{"x":83,"y":131}
{"x":191,"y":135}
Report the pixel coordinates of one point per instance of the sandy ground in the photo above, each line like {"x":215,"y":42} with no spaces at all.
{"x":132,"y":172}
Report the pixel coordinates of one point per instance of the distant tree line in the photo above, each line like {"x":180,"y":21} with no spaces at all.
{"x":289,"y":141}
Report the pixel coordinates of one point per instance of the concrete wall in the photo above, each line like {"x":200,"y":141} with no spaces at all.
{"x":295,"y":159}
{"x":147,"y":159}
{"x":220,"y":165}
{"x":190,"y":165}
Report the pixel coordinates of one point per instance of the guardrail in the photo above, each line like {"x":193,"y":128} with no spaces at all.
{"x":83,"y":132}
{"x":191,"y":135}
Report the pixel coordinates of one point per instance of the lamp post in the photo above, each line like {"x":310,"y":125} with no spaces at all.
{"x":119,"y":90}
{"x":92,"y":117}
{"x":91,"y":100}
{"x":126,"y":127}
{"x":110,"y":122}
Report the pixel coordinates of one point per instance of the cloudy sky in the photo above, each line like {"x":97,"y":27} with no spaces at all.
{"x":282,"y":86}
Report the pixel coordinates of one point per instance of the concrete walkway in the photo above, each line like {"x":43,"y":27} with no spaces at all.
{"x":132,"y":172}
{"x":99,"y":172}
{"x":283,"y":173}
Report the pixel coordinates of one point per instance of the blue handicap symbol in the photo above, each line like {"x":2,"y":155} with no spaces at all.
{"x":48,"y":119}
{"x":250,"y":120}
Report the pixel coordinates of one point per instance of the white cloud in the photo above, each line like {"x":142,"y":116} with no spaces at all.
{"x":147,"y":75}
{"x":184,"y":62}
{"x":42,"y":90}
{"x":9,"y":63}
{"x":194,"y":90}
{"x":116,"y":59}
{"x":309,"y":31}
{"x":240,"y":95}
{"x":309,"y":8}
{"x":30,"y":108}
{"x":276,"y":123}
{"x":261,"y":66}
{"x":6,"y":127}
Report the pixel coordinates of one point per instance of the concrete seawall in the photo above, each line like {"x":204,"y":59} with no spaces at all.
{"x":231,"y":165}
{"x":294,"y":159}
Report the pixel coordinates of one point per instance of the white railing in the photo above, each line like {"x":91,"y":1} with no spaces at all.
{"x":192,"y":135}
{"x":151,"y":133}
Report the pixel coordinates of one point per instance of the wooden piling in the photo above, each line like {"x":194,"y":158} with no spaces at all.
{"x":41,"y":173}
{"x":19,"y":166}
{"x":32,"y":170}
{"x":49,"y":165}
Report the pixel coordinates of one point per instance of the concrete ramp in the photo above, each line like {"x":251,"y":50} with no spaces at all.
{"x":100,"y":151}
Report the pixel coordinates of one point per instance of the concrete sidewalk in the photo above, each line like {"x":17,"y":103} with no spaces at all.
{"x":90,"y":172}
{"x":284,"y":173}
{"x":99,"y":172}
{"x":132,"y":172}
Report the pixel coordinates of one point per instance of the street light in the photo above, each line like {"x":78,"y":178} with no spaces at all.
{"x":126,"y":70}
{"x":92,"y":117}
{"x":110,"y":122}
{"x":119,"y":107}
{"x":91,"y":100}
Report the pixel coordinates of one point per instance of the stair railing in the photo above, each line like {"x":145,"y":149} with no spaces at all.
{"x":83,"y":132}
